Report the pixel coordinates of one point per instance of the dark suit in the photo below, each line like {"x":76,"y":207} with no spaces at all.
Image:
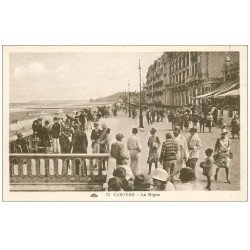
{"x":45,"y":140}
{"x":79,"y":142}
{"x":82,"y":121}
{"x":117,"y":152}
{"x":55,"y":131}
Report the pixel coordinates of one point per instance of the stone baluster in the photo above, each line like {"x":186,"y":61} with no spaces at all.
{"x":29,"y":167}
{"x":37,"y":162}
{"x":55,"y":165}
{"x":84,"y":167}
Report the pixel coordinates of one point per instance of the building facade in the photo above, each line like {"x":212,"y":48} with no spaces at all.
{"x":177,"y":77}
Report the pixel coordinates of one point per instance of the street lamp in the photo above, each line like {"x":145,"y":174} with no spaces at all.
{"x":140,"y":117}
{"x":129,"y":108}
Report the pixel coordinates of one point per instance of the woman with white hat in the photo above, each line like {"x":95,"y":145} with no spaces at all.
{"x":222,"y":154}
{"x":161,"y":180}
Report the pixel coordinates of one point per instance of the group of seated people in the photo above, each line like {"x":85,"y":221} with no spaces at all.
{"x":160,"y":180}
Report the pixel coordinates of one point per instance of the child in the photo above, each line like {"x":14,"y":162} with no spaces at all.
{"x":121,"y":174}
{"x":114,"y":184}
{"x":207,"y":167}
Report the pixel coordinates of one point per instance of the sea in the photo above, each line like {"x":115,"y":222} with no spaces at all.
{"x":22,"y":114}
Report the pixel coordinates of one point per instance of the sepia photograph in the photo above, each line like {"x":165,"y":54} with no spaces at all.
{"x":125,"y":123}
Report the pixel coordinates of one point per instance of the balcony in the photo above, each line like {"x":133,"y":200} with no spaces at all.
{"x":56,"y":172}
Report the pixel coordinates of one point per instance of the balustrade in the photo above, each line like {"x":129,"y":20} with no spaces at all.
{"x":49,"y":168}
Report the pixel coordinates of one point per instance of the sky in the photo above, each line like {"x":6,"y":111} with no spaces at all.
{"x":75,"y":76}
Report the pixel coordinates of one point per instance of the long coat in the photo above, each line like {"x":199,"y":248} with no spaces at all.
{"x":79,"y":142}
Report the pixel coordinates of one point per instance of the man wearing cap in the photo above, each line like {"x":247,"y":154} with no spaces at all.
{"x":182,"y":154}
{"x":134,"y":146}
{"x":55,"y":134}
{"x":194,"y":145}
{"x":95,"y":136}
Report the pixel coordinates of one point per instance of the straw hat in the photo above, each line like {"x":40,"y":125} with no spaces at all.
{"x":160,"y":174}
{"x":224,"y":131}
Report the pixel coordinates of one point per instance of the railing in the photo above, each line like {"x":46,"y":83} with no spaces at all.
{"x":29,"y":139}
{"x":56,"y":168}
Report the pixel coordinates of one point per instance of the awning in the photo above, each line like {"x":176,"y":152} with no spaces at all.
{"x":226,"y":89}
{"x":233,"y":93}
{"x":222,"y":89}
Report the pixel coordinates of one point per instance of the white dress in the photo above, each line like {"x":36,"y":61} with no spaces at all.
{"x":182,"y":151}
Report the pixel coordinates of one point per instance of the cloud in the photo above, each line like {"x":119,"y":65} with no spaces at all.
{"x":63,"y":71}
{"x":20,"y":72}
{"x":33,"y":69}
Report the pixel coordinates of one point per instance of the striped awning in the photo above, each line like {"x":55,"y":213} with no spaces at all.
{"x":225,"y":87}
{"x":234,"y":93}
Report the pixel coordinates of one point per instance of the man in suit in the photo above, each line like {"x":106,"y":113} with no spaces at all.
{"x":134,"y":146}
{"x":55,"y":134}
{"x":82,"y":120}
{"x":79,"y":141}
{"x":194,"y":145}
{"x":95,"y":136}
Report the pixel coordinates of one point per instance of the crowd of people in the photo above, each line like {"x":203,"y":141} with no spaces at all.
{"x":177,"y":154}
{"x":64,"y":134}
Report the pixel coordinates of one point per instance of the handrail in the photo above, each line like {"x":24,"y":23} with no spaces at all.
{"x":38,"y":155}
{"x":51,"y":168}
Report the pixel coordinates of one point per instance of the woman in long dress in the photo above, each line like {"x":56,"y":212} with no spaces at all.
{"x":153,"y":144}
{"x":222,"y":154}
{"x":182,"y":154}
{"x":235,"y":126}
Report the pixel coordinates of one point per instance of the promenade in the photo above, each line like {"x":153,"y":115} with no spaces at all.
{"x":124,"y":124}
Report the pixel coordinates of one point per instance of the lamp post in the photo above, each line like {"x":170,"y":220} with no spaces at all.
{"x":140,"y":117}
{"x":129,"y":108}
